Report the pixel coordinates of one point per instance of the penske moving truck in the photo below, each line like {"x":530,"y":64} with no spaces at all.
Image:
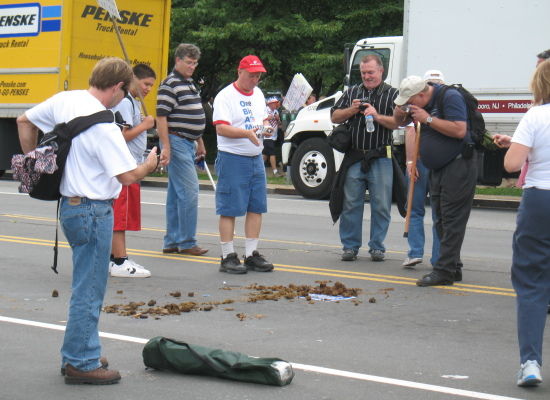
{"x":47,"y":46}
{"x":489,"y":46}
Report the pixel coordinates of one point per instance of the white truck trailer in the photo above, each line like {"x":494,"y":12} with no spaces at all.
{"x":489,"y":46}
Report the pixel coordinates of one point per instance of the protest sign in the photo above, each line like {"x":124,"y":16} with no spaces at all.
{"x":297,"y":93}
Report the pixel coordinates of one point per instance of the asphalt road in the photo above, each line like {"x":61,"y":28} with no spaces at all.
{"x":395,"y":341}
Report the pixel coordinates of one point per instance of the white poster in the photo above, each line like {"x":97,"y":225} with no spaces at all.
{"x":297,"y":93}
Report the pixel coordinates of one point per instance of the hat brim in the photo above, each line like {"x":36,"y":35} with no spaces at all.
{"x":255,"y":69}
{"x":401,"y":100}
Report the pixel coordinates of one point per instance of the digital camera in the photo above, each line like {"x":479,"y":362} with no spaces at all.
{"x":363,"y":105}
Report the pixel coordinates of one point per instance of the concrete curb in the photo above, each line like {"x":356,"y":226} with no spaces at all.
{"x":480,"y":201}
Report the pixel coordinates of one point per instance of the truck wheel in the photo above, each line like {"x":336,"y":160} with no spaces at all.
{"x":312,"y":169}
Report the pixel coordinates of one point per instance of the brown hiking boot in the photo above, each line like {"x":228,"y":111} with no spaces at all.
{"x":99,"y":376}
{"x":102,"y":360}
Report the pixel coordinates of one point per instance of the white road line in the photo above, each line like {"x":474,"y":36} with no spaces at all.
{"x":303,"y":367}
{"x":15,"y":193}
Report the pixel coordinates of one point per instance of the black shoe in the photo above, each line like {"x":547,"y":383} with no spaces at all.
{"x":257,"y":262}
{"x":349,"y":255}
{"x":232,"y":265}
{"x":436,"y":278}
{"x":457,"y":276}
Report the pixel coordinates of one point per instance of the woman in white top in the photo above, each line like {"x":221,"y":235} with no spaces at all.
{"x":531,"y":243}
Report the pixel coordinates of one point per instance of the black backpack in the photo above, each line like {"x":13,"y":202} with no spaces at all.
{"x":475,"y":118}
{"x":60,"y":138}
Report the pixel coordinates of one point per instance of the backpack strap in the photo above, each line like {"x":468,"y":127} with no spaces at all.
{"x":80,"y":124}
{"x":132,"y":103}
{"x":439,"y":99}
{"x":56,"y":246}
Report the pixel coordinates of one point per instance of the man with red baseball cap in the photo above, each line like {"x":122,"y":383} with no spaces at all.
{"x":241,"y":123}
{"x":252,"y":64}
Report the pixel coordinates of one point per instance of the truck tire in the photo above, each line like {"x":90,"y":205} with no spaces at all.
{"x":312,"y":169}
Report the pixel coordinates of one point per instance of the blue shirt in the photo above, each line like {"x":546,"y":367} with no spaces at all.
{"x":437,"y":149}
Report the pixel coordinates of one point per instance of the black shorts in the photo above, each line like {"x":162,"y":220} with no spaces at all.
{"x":269,"y":148}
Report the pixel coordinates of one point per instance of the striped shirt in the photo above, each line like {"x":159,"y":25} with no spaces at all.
{"x":380,"y":98}
{"x":179,"y":100}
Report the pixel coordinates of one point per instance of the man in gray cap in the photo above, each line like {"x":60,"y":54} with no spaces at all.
{"x":447,"y":149}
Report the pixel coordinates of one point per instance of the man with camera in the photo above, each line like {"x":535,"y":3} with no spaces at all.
{"x":447,"y":150}
{"x":369,"y":159}
{"x":98,"y":164}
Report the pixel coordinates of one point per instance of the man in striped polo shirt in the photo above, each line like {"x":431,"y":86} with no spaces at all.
{"x":371,"y":153}
{"x":180,"y":124}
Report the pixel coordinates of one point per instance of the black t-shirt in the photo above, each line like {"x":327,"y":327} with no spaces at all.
{"x":437,"y":149}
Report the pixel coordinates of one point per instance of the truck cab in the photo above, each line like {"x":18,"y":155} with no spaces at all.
{"x":306,"y":155}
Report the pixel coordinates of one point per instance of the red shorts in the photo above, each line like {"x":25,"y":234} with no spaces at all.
{"x":127,"y":209}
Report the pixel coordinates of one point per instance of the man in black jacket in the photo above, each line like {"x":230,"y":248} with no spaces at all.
{"x":372,"y":98}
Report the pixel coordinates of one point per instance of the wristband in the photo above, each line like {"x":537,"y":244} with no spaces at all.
{"x":409,"y":162}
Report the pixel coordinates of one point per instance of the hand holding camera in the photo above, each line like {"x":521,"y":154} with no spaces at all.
{"x":363,"y":104}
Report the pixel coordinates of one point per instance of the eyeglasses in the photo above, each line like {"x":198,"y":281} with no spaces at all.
{"x":191,"y":63}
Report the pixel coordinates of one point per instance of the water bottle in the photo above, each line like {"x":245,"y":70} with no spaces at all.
{"x":370,"y":123}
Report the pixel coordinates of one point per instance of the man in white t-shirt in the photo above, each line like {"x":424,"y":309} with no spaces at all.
{"x":98,"y":163}
{"x":241,"y":122}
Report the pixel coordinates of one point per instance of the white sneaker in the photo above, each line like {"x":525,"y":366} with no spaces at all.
{"x":411,"y":262}
{"x":140,"y":267}
{"x":128,"y":270}
{"x":529,"y":374}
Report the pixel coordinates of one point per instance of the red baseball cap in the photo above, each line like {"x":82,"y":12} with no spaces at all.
{"x":252,"y":64}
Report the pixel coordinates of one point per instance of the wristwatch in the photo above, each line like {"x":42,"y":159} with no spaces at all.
{"x":429,"y":120}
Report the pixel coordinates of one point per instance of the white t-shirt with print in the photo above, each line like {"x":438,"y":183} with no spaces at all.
{"x":534,"y":131}
{"x":129,"y":108}
{"x":273,"y":122}
{"x":246,"y":111}
{"x":97,"y":155}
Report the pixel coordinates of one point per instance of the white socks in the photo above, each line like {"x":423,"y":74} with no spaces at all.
{"x":251,"y":244}
{"x":227,"y":248}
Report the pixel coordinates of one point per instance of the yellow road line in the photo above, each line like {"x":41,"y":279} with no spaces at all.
{"x":319,"y":271}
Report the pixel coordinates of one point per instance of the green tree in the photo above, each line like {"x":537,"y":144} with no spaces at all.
{"x":290,"y":36}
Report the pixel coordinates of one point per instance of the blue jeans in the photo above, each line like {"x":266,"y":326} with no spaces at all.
{"x":182,"y":200}
{"x":531,"y":271}
{"x":379,"y":179}
{"x":416,"y":227}
{"x":88,"y":227}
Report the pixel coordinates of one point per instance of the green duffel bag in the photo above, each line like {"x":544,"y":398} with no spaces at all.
{"x":168,"y":354}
